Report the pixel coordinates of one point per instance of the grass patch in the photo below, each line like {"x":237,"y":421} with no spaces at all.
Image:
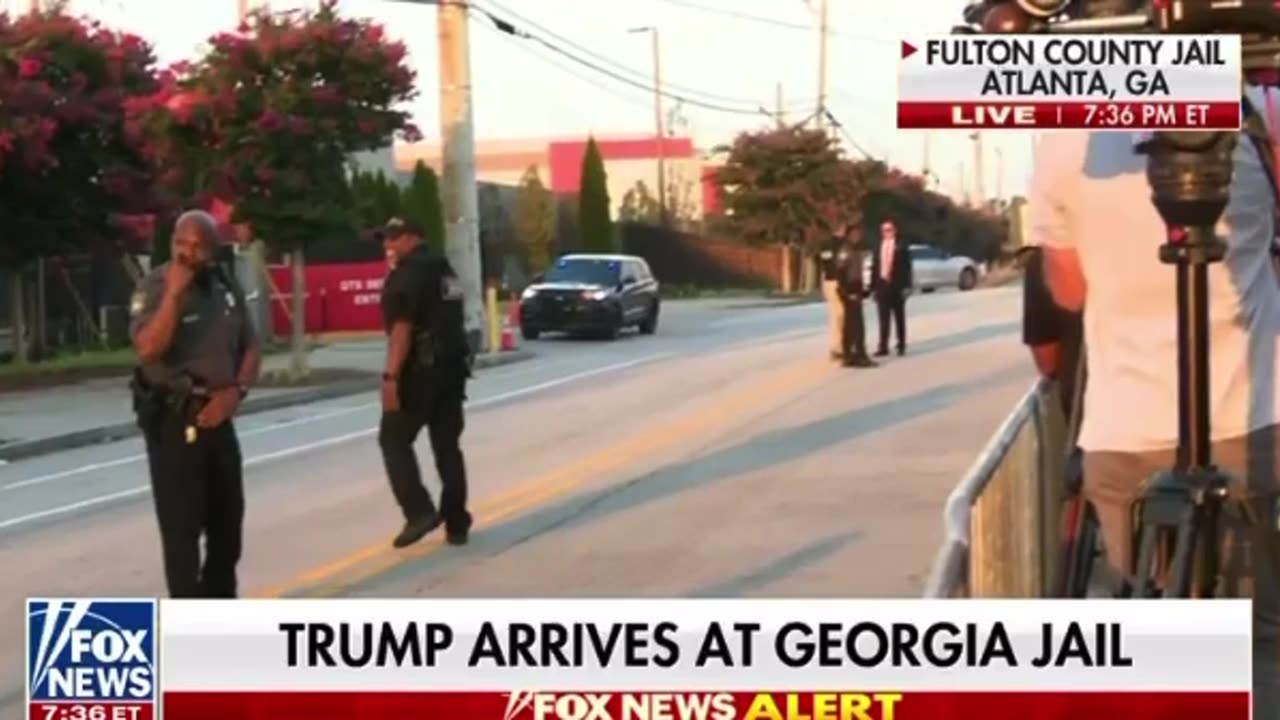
{"x":72,"y":367}
{"x":316,"y":376}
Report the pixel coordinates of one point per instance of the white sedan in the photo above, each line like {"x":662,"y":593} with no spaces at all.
{"x":934,"y":268}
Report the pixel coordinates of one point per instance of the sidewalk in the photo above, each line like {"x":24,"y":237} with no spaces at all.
{"x":47,"y":420}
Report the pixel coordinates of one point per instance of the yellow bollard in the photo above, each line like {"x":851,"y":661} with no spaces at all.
{"x":495,"y":318}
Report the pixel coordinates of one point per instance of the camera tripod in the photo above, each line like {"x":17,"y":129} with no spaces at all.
{"x":1177,"y":536}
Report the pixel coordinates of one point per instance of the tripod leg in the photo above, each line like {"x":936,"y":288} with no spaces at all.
{"x":1141,"y":586}
{"x":1208,"y":572}
{"x":1180,"y":566}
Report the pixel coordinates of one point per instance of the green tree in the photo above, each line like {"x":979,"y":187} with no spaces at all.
{"x":535,"y":219}
{"x":421,"y":204}
{"x":786,"y":186}
{"x":639,"y":205}
{"x":595,"y":223}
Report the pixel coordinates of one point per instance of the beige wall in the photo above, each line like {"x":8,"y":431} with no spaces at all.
{"x":683,"y":173}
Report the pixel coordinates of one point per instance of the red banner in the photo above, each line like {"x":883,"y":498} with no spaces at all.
{"x":1070,"y":115}
{"x":707,"y":706}
{"x":340,"y":298}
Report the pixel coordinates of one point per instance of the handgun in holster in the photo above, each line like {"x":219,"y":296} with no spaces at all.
{"x":182,"y":396}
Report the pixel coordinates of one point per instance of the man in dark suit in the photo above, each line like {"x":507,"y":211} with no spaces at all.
{"x":891,"y":283}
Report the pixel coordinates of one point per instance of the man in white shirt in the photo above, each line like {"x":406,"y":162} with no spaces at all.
{"x":1091,"y":211}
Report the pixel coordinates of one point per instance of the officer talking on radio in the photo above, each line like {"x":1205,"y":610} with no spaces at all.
{"x":197,"y":357}
{"x":428,"y":363}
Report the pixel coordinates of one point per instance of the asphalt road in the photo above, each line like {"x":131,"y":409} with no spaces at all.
{"x":723,"y":456}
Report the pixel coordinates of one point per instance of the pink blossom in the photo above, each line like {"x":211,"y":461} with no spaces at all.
{"x":412,"y":133}
{"x":29,"y":67}
{"x":270,"y":121}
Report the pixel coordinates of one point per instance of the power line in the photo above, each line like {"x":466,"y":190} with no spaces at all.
{"x":568,"y":70}
{"x":509,"y":28}
{"x":847,"y":136}
{"x":614,"y":67}
{"x":774,"y":22}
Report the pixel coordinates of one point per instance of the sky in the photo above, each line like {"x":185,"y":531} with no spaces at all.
{"x":732,"y":54}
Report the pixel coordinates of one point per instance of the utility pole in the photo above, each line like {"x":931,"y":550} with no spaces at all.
{"x":658,"y":119}
{"x":822,"y":65}
{"x":458,"y":166}
{"x":978,"y":184}
{"x":999,"y":173}
{"x":928,"y":167}
{"x":777,"y":103}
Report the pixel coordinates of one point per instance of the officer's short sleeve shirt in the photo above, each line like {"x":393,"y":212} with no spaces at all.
{"x":213,"y":331}
{"x":402,"y":292}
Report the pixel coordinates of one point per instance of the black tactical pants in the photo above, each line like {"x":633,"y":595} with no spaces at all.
{"x":437,"y":406}
{"x":198,"y":489}
{"x":892,"y":306}
{"x":853,"y":335}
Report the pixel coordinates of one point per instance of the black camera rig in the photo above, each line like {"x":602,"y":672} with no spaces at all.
{"x":1177,"y":536}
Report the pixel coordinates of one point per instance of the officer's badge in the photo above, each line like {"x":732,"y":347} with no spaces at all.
{"x":231,"y":299}
{"x":451,"y":289}
{"x":137,"y":302}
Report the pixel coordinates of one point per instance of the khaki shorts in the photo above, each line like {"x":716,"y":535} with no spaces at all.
{"x":1251,"y":556}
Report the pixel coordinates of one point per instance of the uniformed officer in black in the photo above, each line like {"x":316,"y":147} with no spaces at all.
{"x":853,"y":334}
{"x":828,"y":264}
{"x":197,"y":357}
{"x":428,"y":363}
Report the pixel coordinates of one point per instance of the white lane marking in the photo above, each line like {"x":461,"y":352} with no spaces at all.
{"x":63,"y":509}
{"x":285,"y":452}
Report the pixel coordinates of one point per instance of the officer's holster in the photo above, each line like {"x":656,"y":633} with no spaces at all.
{"x":182,"y":398}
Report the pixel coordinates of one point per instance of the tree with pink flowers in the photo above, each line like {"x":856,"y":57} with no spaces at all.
{"x":67,"y":167}
{"x":269,"y":118}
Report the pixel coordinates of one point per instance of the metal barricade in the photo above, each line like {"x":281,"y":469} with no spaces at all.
{"x":1000,"y":525}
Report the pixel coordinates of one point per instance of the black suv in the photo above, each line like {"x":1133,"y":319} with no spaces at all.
{"x":600,"y":294}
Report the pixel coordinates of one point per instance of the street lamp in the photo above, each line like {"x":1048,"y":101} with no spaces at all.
{"x":658,"y":121}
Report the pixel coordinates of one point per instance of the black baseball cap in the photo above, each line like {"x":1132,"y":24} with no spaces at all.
{"x":397,"y":227}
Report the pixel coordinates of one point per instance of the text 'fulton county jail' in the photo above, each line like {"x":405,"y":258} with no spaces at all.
{"x":640,"y":644}
{"x":1074,"y":67}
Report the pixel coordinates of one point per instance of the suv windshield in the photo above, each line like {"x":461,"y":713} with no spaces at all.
{"x":584,"y":270}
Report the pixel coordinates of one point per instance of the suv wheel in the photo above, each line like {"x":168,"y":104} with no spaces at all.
{"x":968,"y":278}
{"x":649,"y":325}
{"x":529,"y":333}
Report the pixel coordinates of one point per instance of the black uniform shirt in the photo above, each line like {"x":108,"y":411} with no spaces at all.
{"x":213,"y":330}
{"x":850,"y":263}
{"x":828,"y":258}
{"x":425,"y":292}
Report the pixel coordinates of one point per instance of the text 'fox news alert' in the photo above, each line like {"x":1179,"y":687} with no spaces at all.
{"x":91,"y":659}
{"x":1066,"y":82}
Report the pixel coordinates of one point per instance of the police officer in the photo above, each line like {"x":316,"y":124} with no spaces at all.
{"x":853,"y":333}
{"x":428,"y":363}
{"x":197,"y":356}
{"x":829,"y":265}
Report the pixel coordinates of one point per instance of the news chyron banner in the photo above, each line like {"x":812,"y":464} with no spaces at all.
{"x":638,"y":659}
{"x":1094,"y":82}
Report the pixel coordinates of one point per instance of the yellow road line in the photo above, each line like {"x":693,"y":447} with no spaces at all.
{"x":334,"y":577}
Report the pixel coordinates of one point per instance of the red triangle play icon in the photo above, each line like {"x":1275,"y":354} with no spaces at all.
{"x":908,"y":49}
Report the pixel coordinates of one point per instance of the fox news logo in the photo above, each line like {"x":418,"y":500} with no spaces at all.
{"x":620,"y":706}
{"x":91,"y":651}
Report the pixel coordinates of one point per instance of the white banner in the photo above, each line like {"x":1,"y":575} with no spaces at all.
{"x":1085,"y":68}
{"x":697,"y":645}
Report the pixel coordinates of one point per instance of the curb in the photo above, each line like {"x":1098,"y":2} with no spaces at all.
{"x":787,"y":302}
{"x":122,"y":431}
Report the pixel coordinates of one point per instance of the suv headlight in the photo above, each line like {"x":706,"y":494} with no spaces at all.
{"x":595,"y":294}
{"x":528,"y":293}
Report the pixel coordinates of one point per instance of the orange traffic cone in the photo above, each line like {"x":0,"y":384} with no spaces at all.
{"x":508,"y":328}
{"x":508,"y":336}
